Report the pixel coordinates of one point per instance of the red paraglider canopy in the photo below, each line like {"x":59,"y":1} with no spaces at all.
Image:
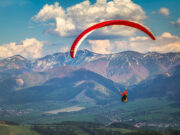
{"x":86,"y":32}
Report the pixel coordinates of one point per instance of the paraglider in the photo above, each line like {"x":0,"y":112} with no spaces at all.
{"x":86,"y":32}
{"x":124,"y":96}
{"x":89,"y":30}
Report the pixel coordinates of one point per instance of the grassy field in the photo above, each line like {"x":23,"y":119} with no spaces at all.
{"x":6,"y":129}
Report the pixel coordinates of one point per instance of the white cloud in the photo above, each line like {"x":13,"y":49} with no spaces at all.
{"x":177,"y":23}
{"x":74,"y":19}
{"x":49,"y":12}
{"x":29,"y":48}
{"x":163,"y":43}
{"x":107,"y":47}
{"x":65,"y":48}
{"x":164,"y":12}
{"x":101,"y":46}
{"x":171,"y":47}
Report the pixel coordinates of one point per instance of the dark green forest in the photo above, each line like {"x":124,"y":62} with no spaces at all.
{"x":86,"y":128}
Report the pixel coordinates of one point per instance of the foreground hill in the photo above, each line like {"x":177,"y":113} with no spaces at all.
{"x":79,"y":86}
{"x":13,"y":129}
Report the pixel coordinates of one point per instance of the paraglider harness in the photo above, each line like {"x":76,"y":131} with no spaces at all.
{"x":124,"y":96}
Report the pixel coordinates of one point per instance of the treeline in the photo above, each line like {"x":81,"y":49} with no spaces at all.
{"x":74,"y":128}
{"x":8,"y":122}
{"x":60,"y":130}
{"x":53,"y":130}
{"x":80,"y":128}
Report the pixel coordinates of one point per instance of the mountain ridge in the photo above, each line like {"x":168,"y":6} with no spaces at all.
{"x":128,"y":67}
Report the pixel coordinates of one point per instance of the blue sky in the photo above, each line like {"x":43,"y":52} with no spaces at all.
{"x":17,"y":25}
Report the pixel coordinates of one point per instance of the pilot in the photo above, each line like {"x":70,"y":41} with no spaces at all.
{"x":124,"y":96}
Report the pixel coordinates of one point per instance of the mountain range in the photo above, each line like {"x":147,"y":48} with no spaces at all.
{"x":127,"y":68}
{"x":90,"y":77}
